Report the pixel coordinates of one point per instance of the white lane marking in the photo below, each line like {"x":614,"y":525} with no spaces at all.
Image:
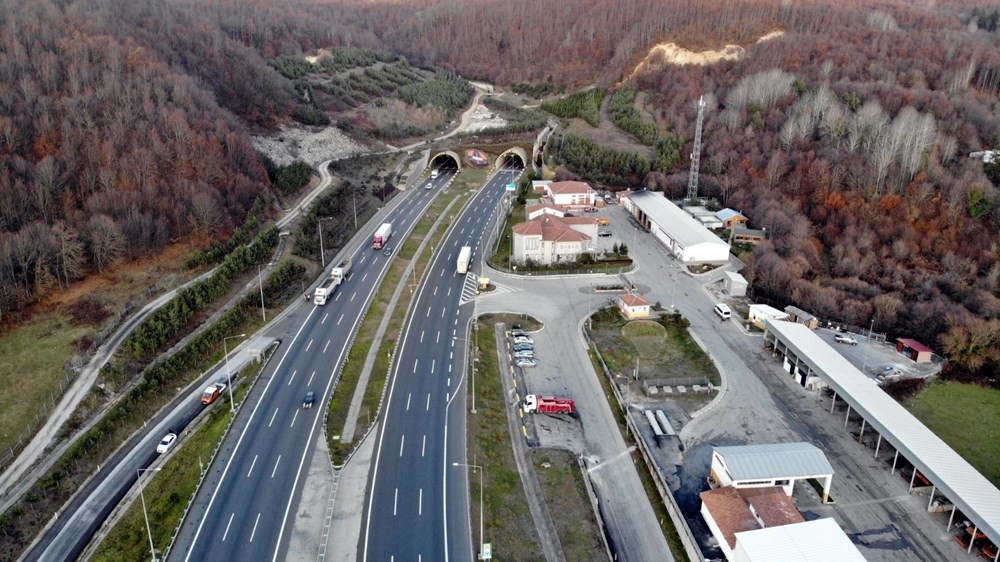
{"x":311,"y":378}
{"x":272,"y":417}
{"x":226,"y":534}
{"x":292,"y":377}
{"x":402,"y":439}
{"x":428,"y":312}
{"x":253,"y":463}
{"x":395,"y":502}
{"x":326,"y":346}
{"x":456,"y":320}
{"x":353,"y":295}
{"x":451,"y":355}
{"x":427,"y":408}
{"x":420,"y":502}
{"x":449,"y":382}
{"x":340,"y":319}
{"x":449,"y":367}
{"x":309,"y":345}
{"x":363,"y":277}
{"x":442,"y":273}
{"x":275,"y":469}
{"x":421,"y":336}
{"x":323,"y":321}
{"x":453,"y":343}
{"x":254,"y":532}
{"x":443,"y":309}
{"x":449,"y":289}
{"x":336,"y":298}
{"x":293,"y":419}
{"x":415,"y":361}
{"x":438,"y":338}
{"x":433,"y":362}
{"x":408,"y":402}
{"x":435,"y":290}
{"x":423,"y":448}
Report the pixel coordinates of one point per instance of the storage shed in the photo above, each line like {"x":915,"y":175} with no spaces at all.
{"x":914,"y":350}
{"x":633,"y":306}
{"x":734,"y":284}
{"x":796,"y":314}
{"x":761,"y":314}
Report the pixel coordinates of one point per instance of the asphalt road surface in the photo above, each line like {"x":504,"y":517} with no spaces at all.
{"x":417,"y":500}
{"x":249,"y":510}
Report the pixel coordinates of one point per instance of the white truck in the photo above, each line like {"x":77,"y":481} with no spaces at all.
{"x":464,"y":257}
{"x":382,"y":235}
{"x":337,"y":276}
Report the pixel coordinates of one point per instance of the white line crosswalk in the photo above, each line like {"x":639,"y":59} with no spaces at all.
{"x":470,"y":290}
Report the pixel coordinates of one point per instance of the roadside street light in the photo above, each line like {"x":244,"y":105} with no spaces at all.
{"x":260,"y":283}
{"x":229,"y":376}
{"x":480,"y":469}
{"x":145,"y":515}
{"x":319,"y":223}
{"x":473,"y":372}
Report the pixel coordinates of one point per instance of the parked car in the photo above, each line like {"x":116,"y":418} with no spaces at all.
{"x":604,"y":234}
{"x":525,"y":354}
{"x":525,"y":362}
{"x":166,"y":443}
{"x":307,"y":402}
{"x":844,"y":338}
{"x":523,"y":346}
{"x":523,"y":339}
{"x":518,"y":333}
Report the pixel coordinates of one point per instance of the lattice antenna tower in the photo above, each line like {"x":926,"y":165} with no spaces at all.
{"x":696,"y":153}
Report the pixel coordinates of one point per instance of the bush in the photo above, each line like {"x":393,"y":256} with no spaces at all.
{"x":586,"y":105}
{"x":447,"y":91}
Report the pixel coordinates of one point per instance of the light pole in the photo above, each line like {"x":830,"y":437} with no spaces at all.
{"x":469,"y":342}
{"x":475,"y":468}
{"x":673,"y":291}
{"x":319,"y":224}
{"x":355,"y":207}
{"x":260,"y":283}
{"x":229,"y":376}
{"x":145,"y":515}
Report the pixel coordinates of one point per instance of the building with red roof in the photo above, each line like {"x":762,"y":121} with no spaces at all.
{"x":549,"y":239}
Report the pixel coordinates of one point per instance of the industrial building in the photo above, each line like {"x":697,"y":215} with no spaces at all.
{"x":778,"y":464}
{"x":820,"y":540}
{"x":685,"y":237}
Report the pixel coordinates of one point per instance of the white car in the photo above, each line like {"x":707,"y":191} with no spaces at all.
{"x":523,"y":339}
{"x":844,"y":338}
{"x":525,"y":362}
{"x":166,"y":443}
{"x":525,"y":354}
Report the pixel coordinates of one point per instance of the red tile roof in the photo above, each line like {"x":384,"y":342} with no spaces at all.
{"x":633,"y":300}
{"x":772,"y":506}
{"x":730,"y":512}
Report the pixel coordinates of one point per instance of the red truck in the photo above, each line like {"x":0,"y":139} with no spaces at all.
{"x":548,"y":404}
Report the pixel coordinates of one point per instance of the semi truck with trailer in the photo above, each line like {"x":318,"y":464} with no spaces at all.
{"x":382,"y":235}
{"x":548,"y":405}
{"x":464,"y":256}
{"x":337,"y":276}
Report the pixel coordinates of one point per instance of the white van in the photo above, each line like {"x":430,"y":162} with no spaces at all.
{"x":434,"y":174}
{"x":723,"y":311}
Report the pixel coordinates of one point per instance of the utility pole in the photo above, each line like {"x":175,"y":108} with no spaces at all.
{"x":696,"y":152}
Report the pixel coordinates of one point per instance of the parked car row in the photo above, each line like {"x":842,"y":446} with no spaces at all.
{"x":523,"y":348}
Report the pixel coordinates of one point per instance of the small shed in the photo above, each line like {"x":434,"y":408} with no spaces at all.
{"x":796,"y":314}
{"x":731,"y":219}
{"x":743,"y":235}
{"x":761,"y":314}
{"x":633,"y":306}
{"x":734,"y":284}
{"x":914,"y":350}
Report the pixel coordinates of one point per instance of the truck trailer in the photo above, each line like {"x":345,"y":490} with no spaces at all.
{"x":548,"y":405}
{"x":464,"y":256}
{"x":382,"y":235}
{"x":337,"y":276}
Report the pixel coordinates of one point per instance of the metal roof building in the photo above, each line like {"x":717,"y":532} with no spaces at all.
{"x":820,"y":540}
{"x":963,"y":485}
{"x":778,"y":464}
{"x":681,"y":233}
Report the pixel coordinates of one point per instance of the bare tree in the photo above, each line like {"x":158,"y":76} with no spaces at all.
{"x":71,"y":259}
{"x":107,"y":243}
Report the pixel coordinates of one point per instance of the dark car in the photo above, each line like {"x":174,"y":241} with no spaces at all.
{"x":308,"y":401}
{"x":387,"y":252}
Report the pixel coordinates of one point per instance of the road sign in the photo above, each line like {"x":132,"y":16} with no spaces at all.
{"x":511,"y":187}
{"x":487,"y":551}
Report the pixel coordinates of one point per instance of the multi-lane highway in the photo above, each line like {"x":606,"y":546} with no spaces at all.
{"x":417,"y":506}
{"x":250,"y":509}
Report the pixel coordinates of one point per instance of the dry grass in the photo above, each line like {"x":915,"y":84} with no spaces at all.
{"x":649,"y":338}
{"x":566,"y":496}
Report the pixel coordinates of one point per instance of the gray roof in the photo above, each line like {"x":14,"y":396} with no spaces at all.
{"x":978,"y":499}
{"x":727,"y":214}
{"x":679,"y":225}
{"x":735,"y":276}
{"x":778,"y":460}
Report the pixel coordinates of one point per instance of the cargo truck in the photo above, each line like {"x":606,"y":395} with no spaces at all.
{"x":337,"y":276}
{"x":212,"y":393}
{"x":464,"y":256}
{"x":382,"y":235}
{"x":548,"y":405}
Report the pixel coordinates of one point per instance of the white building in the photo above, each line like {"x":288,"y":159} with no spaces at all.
{"x":571,"y":193}
{"x":779,"y":464}
{"x":685,"y":237}
{"x":735,"y":284}
{"x":705,"y":217}
{"x":633,"y":306}
{"x":761,"y":315}
{"x":549,"y":239}
{"x":820,"y":540}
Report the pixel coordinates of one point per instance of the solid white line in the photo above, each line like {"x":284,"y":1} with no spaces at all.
{"x":308,"y":346}
{"x":340,"y":319}
{"x":395,"y":502}
{"x":272,"y":417}
{"x":275,"y":469}
{"x":311,"y":378}
{"x":292,"y":377}
{"x":428,"y":407}
{"x":295,"y":415}
{"x":326,"y":346}
{"x":423,"y":448}
{"x":252,"y":464}
{"x":420,"y":502}
{"x":254,"y":532}
{"x":402,"y":439}
{"x":226,"y":534}
{"x":408,"y":402}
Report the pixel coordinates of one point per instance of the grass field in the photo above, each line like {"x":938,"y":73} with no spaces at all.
{"x":966,"y":417}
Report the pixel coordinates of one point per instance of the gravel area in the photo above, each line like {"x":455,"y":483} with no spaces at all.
{"x":309,"y":145}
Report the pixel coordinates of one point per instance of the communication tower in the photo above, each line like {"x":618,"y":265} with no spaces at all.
{"x":696,"y":153}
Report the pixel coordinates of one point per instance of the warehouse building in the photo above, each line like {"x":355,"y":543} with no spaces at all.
{"x":685,"y":237}
{"x":777,"y":464}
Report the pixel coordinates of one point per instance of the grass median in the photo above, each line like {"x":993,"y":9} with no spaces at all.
{"x":561,"y":480}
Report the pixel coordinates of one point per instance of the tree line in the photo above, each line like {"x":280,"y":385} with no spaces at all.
{"x":585,"y":104}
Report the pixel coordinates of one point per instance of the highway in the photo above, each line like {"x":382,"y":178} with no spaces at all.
{"x":249,"y":510}
{"x":417,"y":502}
